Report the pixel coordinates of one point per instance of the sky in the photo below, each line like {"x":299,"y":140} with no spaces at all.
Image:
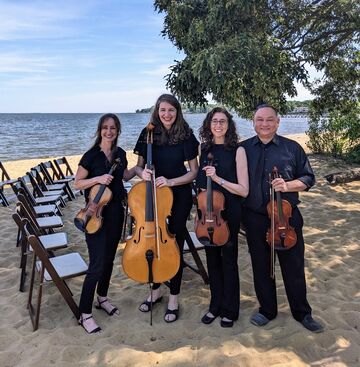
{"x":83,"y":56}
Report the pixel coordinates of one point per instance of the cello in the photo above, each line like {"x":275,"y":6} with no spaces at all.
{"x":99,"y":196}
{"x":280,"y":235}
{"x":151,"y":255}
{"x":210,"y":227}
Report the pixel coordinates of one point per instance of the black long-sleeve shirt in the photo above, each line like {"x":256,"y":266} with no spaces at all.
{"x":289,"y":158}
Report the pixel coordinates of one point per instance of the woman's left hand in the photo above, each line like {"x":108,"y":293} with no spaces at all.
{"x":162,"y":181}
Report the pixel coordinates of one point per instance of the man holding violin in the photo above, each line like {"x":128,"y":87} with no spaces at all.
{"x":265,"y":151}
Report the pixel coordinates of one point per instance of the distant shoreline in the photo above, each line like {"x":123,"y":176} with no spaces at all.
{"x":17,"y":168}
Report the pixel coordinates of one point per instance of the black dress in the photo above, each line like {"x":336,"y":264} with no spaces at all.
{"x":169,"y":162}
{"x":222,"y":261}
{"x":102,"y":245}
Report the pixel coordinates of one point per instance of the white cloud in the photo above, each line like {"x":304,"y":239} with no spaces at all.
{"x":159,"y":71}
{"x":19,"y":63}
{"x":37,"y":19}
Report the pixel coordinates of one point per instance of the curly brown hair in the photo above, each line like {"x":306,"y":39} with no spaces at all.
{"x":206,"y":136}
{"x":179,"y":131}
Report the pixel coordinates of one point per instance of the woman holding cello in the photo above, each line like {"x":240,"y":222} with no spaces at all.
{"x":228,"y":172}
{"x":93,"y":171}
{"x":173,"y":145}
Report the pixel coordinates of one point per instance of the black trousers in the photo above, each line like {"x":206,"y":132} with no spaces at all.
{"x":102,"y":249}
{"x":224,"y":278}
{"x":177,"y":225}
{"x":291,"y":264}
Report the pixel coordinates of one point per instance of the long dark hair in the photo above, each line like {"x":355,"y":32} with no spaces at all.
{"x":206,"y":136}
{"x":179,"y":131}
{"x":97,"y":135}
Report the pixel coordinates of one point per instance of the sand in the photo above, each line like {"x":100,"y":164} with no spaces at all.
{"x":332,"y":232}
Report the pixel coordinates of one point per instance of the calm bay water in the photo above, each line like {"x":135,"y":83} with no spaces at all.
{"x":33,"y":135}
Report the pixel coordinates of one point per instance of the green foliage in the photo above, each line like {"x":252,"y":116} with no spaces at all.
{"x":243,"y":52}
{"x":337,"y":132}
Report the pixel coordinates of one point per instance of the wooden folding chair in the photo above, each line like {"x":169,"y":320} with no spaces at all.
{"x":51,"y":242}
{"x":193,"y":245}
{"x":44,"y":186}
{"x":51,"y":176}
{"x":38,"y":192}
{"x":40,"y":210}
{"x":56,"y":270}
{"x":45,"y":224}
{"x":5,"y":181}
{"x":56,"y":200}
{"x":63,"y":167}
{"x":128,"y":220}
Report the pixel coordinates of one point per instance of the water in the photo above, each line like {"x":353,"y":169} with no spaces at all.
{"x":34,"y":135}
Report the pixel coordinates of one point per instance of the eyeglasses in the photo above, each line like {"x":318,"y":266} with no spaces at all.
{"x":220,"y":122}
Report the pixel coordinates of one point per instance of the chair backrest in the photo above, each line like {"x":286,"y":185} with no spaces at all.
{"x":4,"y":174}
{"x":37,"y":192}
{"x":37,"y":173}
{"x":66,"y":171}
{"x":24,"y":211}
{"x":20,"y":222}
{"x":49,"y":172}
{"x":24,"y":186}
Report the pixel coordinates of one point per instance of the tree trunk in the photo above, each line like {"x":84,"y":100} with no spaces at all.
{"x":342,"y":177}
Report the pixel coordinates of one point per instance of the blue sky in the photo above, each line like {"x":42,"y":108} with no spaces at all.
{"x":83,"y":56}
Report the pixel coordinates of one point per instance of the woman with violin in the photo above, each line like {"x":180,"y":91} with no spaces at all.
{"x":173,"y":145}
{"x":228,"y":172}
{"x":93,"y":171}
{"x":279,"y":166}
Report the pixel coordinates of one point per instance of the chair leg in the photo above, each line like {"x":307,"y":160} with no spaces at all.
{"x":200,"y":267}
{"x":23,"y":261}
{"x":38,"y":305}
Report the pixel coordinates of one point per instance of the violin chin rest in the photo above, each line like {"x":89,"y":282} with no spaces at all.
{"x":79,"y":224}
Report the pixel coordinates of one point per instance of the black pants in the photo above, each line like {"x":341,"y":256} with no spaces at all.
{"x":224,"y":279}
{"x":102,"y":249}
{"x":177,"y":224}
{"x":291,"y":264}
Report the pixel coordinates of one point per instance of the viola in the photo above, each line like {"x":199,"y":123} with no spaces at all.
{"x":210,"y":227}
{"x":280,"y":235}
{"x":151,"y":254}
{"x":89,"y":219}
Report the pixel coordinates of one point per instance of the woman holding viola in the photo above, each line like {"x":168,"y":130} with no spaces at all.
{"x":173,"y":145}
{"x":229,"y":176}
{"x":93,"y":169}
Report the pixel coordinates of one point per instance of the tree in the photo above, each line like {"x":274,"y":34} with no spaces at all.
{"x":244,"y":52}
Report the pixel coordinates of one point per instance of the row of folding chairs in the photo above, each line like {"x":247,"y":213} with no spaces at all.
{"x":39,"y":236}
{"x":47,"y":179}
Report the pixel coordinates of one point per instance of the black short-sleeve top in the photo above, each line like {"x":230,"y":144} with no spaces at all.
{"x":225,"y":162}
{"x":97,"y":164}
{"x":169,"y":159}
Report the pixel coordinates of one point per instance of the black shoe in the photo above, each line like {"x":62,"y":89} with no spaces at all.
{"x":225,"y":323}
{"x":309,"y":323}
{"x":207,"y":319}
{"x":147,"y":304}
{"x":259,"y":319}
{"x":171,"y":312}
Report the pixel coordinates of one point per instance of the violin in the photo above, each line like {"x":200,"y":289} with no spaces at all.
{"x":280,"y":235}
{"x":99,"y":196}
{"x":210,"y":227}
{"x":151,"y":254}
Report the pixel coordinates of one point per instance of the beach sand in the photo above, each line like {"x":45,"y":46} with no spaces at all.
{"x":331,"y":231}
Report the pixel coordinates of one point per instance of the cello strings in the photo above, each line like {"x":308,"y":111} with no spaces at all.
{"x":156,"y":217}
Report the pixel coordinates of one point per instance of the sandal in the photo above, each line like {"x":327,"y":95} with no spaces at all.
{"x":147,"y":304}
{"x":171,"y":312}
{"x":99,"y":305}
{"x":82,"y":322}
